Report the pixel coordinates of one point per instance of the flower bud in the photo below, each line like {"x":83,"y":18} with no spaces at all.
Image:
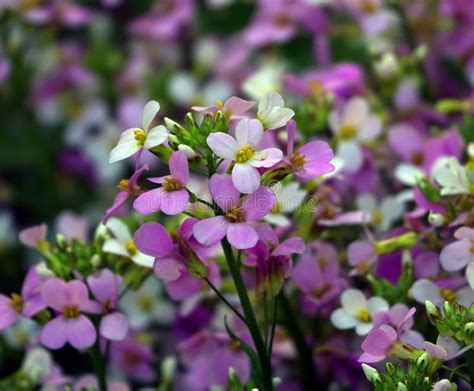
{"x":402,"y":387}
{"x":369,"y":372}
{"x":168,"y":368}
{"x":188,"y":151}
{"x":405,"y":241}
{"x":469,"y":329}
{"x":436,"y":219}
{"x":423,"y":360}
{"x":431,"y":309}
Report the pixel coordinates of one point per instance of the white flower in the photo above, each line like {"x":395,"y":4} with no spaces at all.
{"x":357,"y":311}
{"x":263,"y":81}
{"x":37,"y":364}
{"x":354,"y":126}
{"x":272,"y":112}
{"x":408,"y":174}
{"x":288,"y":198}
{"x":424,"y":289}
{"x":451,"y":176}
{"x":134,"y":139}
{"x":123,"y":244}
{"x":146,"y":305}
{"x":383,"y":214}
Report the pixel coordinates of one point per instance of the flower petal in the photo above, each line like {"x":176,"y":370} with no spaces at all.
{"x":210,"y":231}
{"x":54,"y":293}
{"x":8,"y":315}
{"x":81,"y":332}
{"x":126,"y":147}
{"x":456,"y":255}
{"x":179,"y":167}
{"x":105,"y":285}
{"x":242,"y":236}
{"x":119,"y":229}
{"x":223,"y":191}
{"x":156,"y":136}
{"x":114,"y":326}
{"x":149,"y":112}
{"x":343,"y":320}
{"x":355,"y":111}
{"x":167,"y":269}
{"x":245,"y":178}
{"x":174,"y":202}
{"x":249,"y":131}
{"x":54,"y":333}
{"x":153,"y":239}
{"x":258,"y":204}
{"x":423,"y":290}
{"x":267,"y":157}
{"x":223,"y":145}
{"x":353,"y":301}
{"x":149,"y":202}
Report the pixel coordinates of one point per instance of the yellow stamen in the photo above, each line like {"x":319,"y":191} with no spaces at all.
{"x":377,"y":217}
{"x":17,"y":302}
{"x":71,"y":312}
{"x":448,"y":294}
{"x":234,"y":215}
{"x":347,"y":132}
{"x":323,"y":263}
{"x":145,"y":303}
{"x":140,"y":136}
{"x":219,"y":104}
{"x":132,"y":248}
{"x":319,"y":292}
{"x":417,"y":158}
{"x":171,"y":184}
{"x":244,"y":154}
{"x":276,"y":207}
{"x":364,"y":316}
{"x":297,"y":160}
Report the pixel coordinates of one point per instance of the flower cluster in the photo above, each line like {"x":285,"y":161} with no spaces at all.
{"x":314,"y":232}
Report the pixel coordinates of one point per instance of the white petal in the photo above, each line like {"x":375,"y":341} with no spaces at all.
{"x":143,"y":260}
{"x":408,"y":174}
{"x":223,"y":145}
{"x":342,"y":320}
{"x":363,"y":328}
{"x":369,"y":128}
{"x":376,"y":304}
{"x":245,"y":178}
{"x":249,"y":131}
{"x":119,"y":229}
{"x":156,"y":136}
{"x":113,"y":246}
{"x":149,"y":112}
{"x":470,"y":275}
{"x":424,"y":289}
{"x":355,"y":111}
{"x":334,"y":122}
{"x":290,"y":197}
{"x":126,"y":147}
{"x":367,"y":202}
{"x":353,"y":301}
{"x":351,"y":153}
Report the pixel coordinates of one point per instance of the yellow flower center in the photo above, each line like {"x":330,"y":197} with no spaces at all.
{"x":417,"y":158}
{"x":71,"y":311}
{"x":220,"y":105}
{"x":132,"y":248}
{"x":107,"y":307}
{"x":364,"y":316}
{"x":323,"y":263}
{"x":26,"y":5}
{"x":377,"y":217}
{"x":347,"y":132}
{"x":145,"y":303}
{"x":234,"y":346}
{"x":171,"y":184}
{"x":244,"y":154}
{"x":17,"y":302}
{"x":448,"y":294}
{"x":363,"y":267}
{"x":319,"y":292}
{"x":297,"y":160}
{"x":140,"y":136}
{"x":472,"y":249}
{"x":276,"y":207}
{"x":234,"y":215}
{"x":368,"y":6}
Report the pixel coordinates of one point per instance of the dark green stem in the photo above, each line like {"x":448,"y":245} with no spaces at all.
{"x":99,"y":367}
{"x":305,"y":355}
{"x":223,"y":299}
{"x":251,"y":321}
{"x":470,"y":365}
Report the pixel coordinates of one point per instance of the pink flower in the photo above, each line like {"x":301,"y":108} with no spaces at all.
{"x":460,"y":253}
{"x":127,"y":187}
{"x":243,"y":150}
{"x":232,"y":108}
{"x":173,"y":255}
{"x":172,"y":197}
{"x":69,"y":299}
{"x":381,"y":342}
{"x":361,"y":255}
{"x":310,"y":160}
{"x":28,"y":304}
{"x":234,"y":222}
{"x":34,"y":235}
{"x":105,"y":286}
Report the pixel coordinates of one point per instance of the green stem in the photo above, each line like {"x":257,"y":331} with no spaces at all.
{"x":470,"y":365}
{"x":99,"y":367}
{"x":305,"y":355}
{"x":251,"y":321}
{"x":224,"y":300}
